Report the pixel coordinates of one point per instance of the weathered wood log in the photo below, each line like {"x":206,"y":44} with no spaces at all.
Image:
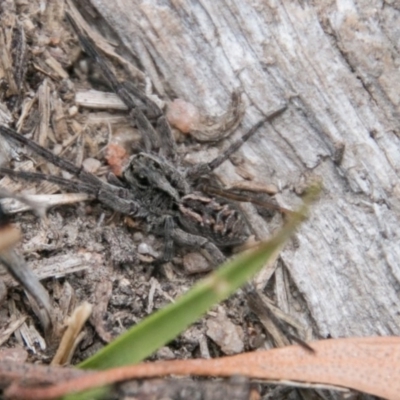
{"x":336,"y":66}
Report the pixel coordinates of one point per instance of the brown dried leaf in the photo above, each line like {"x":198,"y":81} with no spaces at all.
{"x":370,"y":365}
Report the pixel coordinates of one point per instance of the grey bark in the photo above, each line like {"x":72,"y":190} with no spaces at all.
{"x":336,"y":64}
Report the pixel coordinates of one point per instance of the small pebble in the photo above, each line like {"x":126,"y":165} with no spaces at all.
{"x":227,"y":335}
{"x":183,"y":115}
{"x":126,"y":290}
{"x":57,"y":149}
{"x":145,"y":249}
{"x":91,"y":165}
{"x":72,"y":111}
{"x":165,"y":353}
{"x":137,"y":236}
{"x":195,"y":263}
{"x":123,"y":283}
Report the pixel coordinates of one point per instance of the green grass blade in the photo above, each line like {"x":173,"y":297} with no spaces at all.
{"x":164,"y":325}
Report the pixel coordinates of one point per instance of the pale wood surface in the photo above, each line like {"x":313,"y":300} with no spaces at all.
{"x":336,"y":65}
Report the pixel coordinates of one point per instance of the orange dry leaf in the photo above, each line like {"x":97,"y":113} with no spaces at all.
{"x":370,"y":365}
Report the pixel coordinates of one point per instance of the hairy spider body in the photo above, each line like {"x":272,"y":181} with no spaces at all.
{"x":155,"y":186}
{"x":164,"y":191}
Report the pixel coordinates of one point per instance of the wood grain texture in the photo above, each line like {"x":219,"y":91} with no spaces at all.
{"x":336,"y":65}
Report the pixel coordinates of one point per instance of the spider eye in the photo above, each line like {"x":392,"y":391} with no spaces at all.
{"x":142,"y":179}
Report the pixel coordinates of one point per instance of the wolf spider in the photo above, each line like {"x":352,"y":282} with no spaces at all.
{"x":155,"y":186}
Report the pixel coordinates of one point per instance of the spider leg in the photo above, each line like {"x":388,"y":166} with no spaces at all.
{"x":119,"y":199}
{"x":216,"y":191}
{"x":168,"y":144}
{"x":205,"y":168}
{"x":210,"y":250}
{"x":75,"y":186}
{"x":129,"y":94}
{"x":170,"y":233}
{"x":49,"y":156}
{"x":168,"y":241}
{"x":134,"y":99}
{"x":149,"y":134}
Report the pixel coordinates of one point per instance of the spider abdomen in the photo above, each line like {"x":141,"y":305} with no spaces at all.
{"x":214,"y":218}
